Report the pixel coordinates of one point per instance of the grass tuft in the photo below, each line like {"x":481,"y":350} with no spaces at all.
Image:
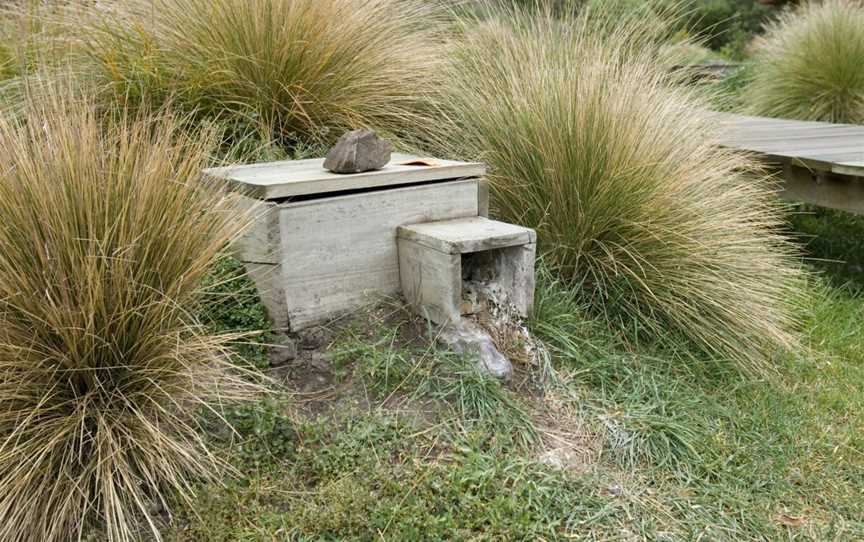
{"x":808,"y":65}
{"x":107,"y":232}
{"x":296,"y":71}
{"x":590,"y":141}
{"x":676,"y":447}
{"x":31,"y":38}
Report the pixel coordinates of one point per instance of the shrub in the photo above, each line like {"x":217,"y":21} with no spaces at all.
{"x":728,"y":25}
{"x":808,"y":66}
{"x":590,"y":141}
{"x":106,"y":233}
{"x":294,"y":70}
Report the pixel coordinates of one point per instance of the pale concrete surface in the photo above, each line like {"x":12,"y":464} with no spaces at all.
{"x":291,"y":178}
{"x":338,"y":252}
{"x":329,"y":252}
{"x":464,"y":235}
{"x":431,"y":281}
{"x":435,"y":257}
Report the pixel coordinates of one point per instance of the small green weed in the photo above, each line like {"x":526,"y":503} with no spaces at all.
{"x":231,"y":304}
{"x":266,"y":431}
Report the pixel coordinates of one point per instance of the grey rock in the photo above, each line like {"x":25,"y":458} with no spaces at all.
{"x":466,"y":337}
{"x":358,"y":151}
{"x":562,"y":458}
{"x":282,"y":350}
{"x":319,"y":362}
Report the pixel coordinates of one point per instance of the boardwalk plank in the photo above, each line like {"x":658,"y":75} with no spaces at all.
{"x":837,"y":148}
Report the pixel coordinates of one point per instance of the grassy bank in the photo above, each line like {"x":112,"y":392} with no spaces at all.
{"x":392,"y":440}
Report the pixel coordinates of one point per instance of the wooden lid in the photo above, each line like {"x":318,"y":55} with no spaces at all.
{"x":290,"y":178}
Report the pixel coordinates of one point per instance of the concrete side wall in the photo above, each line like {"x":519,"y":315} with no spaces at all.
{"x":431,"y":281}
{"x":513,"y":269}
{"x":339,"y":253}
{"x":261,"y":242}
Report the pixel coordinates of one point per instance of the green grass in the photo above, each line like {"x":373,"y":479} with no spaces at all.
{"x":230,"y":303}
{"x":367,"y":483}
{"x":833,"y":240}
{"x":728,"y":26}
{"x":424,"y":374}
{"x":749,"y":451}
{"x":664,"y":444}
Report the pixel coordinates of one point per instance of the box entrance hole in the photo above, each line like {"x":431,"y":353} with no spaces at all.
{"x":454,"y":268}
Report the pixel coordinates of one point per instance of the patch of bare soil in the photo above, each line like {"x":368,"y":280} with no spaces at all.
{"x":320,"y":386}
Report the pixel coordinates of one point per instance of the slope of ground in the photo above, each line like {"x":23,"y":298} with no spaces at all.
{"x":374,"y":435}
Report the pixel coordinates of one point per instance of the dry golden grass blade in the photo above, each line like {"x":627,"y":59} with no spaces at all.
{"x":107,"y":231}
{"x":808,"y":64}
{"x":294,"y":70}
{"x":590,"y":140}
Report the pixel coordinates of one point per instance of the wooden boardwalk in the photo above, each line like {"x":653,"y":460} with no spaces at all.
{"x":821,"y":163}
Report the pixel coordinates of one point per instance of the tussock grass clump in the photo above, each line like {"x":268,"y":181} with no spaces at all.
{"x":17,"y":28}
{"x":30,"y":36}
{"x":288,"y":69}
{"x":105,"y":235}
{"x":808,"y":65}
{"x":590,"y":141}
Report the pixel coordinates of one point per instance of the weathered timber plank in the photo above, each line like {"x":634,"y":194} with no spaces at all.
{"x":279,"y":180}
{"x":822,"y":146}
{"x":431,"y":281}
{"x":771,"y":137}
{"x":267,"y":280}
{"x":811,"y":151}
{"x":842,"y":193}
{"x":260,"y":241}
{"x":483,"y":197}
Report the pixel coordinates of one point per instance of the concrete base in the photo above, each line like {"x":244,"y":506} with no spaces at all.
{"x":435,"y":257}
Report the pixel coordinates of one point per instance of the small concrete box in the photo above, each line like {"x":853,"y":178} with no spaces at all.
{"x":324,"y":243}
{"x":435,"y":258}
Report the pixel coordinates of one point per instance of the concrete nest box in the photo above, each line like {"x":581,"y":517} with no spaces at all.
{"x":326,"y":243}
{"x":438,"y":261}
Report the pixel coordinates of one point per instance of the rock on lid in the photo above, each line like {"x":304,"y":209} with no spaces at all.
{"x":358,"y":151}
